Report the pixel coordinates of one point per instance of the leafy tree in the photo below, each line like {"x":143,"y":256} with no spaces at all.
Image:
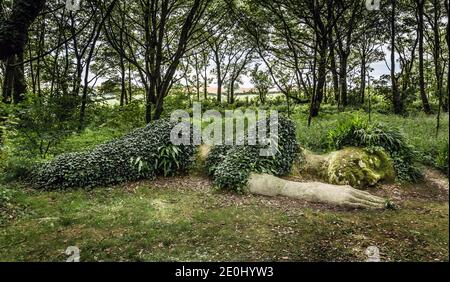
{"x":262,"y":82}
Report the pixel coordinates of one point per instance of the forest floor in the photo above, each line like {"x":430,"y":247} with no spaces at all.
{"x":183,"y":219}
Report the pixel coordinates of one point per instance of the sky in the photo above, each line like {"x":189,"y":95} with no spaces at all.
{"x":379,"y":69}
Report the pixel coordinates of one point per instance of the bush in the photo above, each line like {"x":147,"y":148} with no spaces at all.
{"x":231,"y":166}
{"x":143,"y":153}
{"x":442,"y":159}
{"x":5,"y":196}
{"x":17,"y":167}
{"x":121,"y":118}
{"x":360,"y":133}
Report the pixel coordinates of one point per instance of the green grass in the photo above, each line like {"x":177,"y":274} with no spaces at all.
{"x":155,"y":224}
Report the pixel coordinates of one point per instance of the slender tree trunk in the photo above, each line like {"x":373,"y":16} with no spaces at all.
{"x":97,"y":28}
{"x":130,"y":93}
{"x":123,"y":85}
{"x":423,"y":95}
{"x":205,"y":84}
{"x":219,"y":76}
{"x":446,"y":96}
{"x":148,"y":104}
{"x":38,"y":62}
{"x":396,"y":98}
{"x":335,"y":76}
{"x":198,"y":90}
{"x":232,"y":92}
{"x":363,"y":79}
{"x":343,"y":79}
{"x":321,"y":79}
{"x":437,"y":62}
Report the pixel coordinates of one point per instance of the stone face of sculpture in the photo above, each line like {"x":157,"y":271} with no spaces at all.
{"x":352,"y":166}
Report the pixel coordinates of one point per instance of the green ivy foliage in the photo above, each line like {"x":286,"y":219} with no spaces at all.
{"x":361,"y":133}
{"x":142,"y":154}
{"x":231,"y":166}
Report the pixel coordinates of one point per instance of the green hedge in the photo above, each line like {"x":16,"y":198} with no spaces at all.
{"x":231,"y":166}
{"x":143,"y":153}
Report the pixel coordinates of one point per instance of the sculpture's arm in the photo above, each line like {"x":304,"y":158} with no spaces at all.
{"x":268,"y":185}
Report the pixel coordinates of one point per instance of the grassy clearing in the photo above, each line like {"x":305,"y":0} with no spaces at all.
{"x":150,"y":222}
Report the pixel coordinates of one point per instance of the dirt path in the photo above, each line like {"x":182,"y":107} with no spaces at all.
{"x":436,"y":179}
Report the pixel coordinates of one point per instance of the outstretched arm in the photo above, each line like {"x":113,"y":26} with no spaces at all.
{"x":268,"y":185}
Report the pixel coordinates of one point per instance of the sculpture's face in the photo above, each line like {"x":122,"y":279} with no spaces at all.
{"x":359,"y":168}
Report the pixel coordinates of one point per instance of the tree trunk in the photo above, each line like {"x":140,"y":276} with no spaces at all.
{"x":205,"y":85}
{"x":437,"y":62}
{"x":219,"y":76}
{"x":219,"y":90}
{"x":130,"y":90}
{"x":321,"y":79}
{"x":198,"y":89}
{"x":148,"y":105}
{"x":343,"y":79}
{"x":423,"y":95}
{"x":123,"y":86}
{"x":14,"y":30}
{"x":8,"y":81}
{"x":20,"y":85}
{"x":158,"y":109}
{"x":334,"y":73}
{"x":232,"y":92}
{"x":396,"y":98}
{"x":446,"y":97}
{"x":363,"y":79}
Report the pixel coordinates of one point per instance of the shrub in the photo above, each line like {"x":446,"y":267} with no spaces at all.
{"x":360,"y":133}
{"x":17,"y":167}
{"x":442,"y":159}
{"x":40,"y":123}
{"x":143,"y":153}
{"x":121,"y":118}
{"x":5,"y":196}
{"x":231,"y":166}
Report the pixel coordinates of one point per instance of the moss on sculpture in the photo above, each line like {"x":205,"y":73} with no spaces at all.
{"x":359,"y":168}
{"x":352,"y":166}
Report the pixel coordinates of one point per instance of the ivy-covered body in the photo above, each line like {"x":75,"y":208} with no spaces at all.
{"x":231,"y":166}
{"x":143,"y":153}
